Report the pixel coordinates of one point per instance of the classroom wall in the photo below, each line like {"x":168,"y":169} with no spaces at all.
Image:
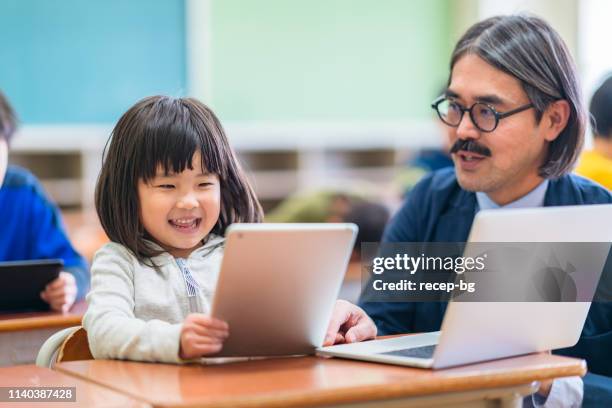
{"x":75,"y":61}
{"x":343,"y":60}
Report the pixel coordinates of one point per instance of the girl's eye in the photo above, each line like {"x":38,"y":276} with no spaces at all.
{"x":166,"y":186}
{"x":205,"y":184}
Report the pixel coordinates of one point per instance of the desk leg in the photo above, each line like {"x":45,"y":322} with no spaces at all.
{"x":21,"y":347}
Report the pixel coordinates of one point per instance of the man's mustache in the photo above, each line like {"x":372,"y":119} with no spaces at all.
{"x":470,"y":145}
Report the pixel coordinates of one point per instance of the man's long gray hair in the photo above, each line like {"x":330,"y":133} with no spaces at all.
{"x":529,"y":49}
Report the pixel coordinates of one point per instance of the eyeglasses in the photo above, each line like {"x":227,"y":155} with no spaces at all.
{"x":483,"y":115}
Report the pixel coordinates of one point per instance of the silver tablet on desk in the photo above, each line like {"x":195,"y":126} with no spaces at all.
{"x":278,"y":285}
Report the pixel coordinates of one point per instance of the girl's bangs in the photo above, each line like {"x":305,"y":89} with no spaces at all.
{"x":172,"y":145}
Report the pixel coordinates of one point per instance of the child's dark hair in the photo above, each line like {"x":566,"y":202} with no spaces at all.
{"x":167,"y":132}
{"x":371,"y":218}
{"x":8,"y":119}
{"x":600,"y":108}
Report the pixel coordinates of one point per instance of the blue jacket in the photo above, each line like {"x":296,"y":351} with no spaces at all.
{"x":439,"y":210}
{"x":32,"y":228}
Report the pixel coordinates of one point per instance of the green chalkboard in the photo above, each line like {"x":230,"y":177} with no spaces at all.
{"x":284,"y":60}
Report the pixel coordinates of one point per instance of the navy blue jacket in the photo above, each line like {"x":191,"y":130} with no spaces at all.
{"x":439,"y":210}
{"x":32,"y":228}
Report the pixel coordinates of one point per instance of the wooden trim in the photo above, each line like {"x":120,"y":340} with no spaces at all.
{"x":34,"y":323}
{"x":43,"y":320}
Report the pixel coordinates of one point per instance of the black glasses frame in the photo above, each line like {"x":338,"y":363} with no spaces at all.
{"x":498,"y":115}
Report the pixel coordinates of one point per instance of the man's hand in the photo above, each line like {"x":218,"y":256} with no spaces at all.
{"x":349,"y":324}
{"x":61,"y":293}
{"x":202,"y":335}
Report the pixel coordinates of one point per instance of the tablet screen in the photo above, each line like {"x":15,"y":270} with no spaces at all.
{"x":22,"y":282}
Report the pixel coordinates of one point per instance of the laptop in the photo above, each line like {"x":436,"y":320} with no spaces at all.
{"x":278,"y":285}
{"x":22,"y":282}
{"x":475,"y":331}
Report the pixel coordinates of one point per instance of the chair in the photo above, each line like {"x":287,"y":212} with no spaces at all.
{"x":66,"y":345}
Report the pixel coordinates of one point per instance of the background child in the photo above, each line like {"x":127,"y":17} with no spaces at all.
{"x":169,"y":186}
{"x":596,"y":163}
{"x":31,"y":224}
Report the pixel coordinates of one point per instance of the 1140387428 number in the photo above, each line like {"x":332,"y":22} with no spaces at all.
{"x":41,"y":394}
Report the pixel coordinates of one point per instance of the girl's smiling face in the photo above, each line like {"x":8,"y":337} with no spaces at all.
{"x":178,"y":210}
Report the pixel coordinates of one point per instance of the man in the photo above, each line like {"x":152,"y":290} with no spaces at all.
{"x":596,"y":164}
{"x":516,"y":122}
{"x":31,"y":226}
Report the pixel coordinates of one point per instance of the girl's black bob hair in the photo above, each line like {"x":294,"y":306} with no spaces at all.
{"x":167,"y":132}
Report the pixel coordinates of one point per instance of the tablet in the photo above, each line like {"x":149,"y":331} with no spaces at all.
{"x":278,"y":285}
{"x":22,"y":282}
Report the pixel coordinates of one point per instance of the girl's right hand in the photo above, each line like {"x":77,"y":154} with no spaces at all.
{"x":202,"y":335}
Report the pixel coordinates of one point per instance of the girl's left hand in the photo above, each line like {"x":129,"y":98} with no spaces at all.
{"x":61,"y":293}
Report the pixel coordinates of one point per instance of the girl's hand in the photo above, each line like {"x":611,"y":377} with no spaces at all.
{"x":202,"y":335}
{"x":61,"y":293}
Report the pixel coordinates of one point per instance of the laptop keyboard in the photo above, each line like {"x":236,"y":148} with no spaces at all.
{"x":415,"y":352}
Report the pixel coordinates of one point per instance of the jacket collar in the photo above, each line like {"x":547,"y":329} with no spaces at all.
{"x":562,"y":191}
{"x":458,"y":217}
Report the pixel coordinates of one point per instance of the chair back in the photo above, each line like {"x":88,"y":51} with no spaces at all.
{"x":75,"y":347}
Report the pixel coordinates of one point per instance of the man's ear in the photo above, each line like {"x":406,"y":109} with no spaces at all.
{"x":554,"y":119}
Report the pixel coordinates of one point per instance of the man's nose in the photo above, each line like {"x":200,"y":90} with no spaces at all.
{"x":187,"y":201}
{"x":467,"y":129}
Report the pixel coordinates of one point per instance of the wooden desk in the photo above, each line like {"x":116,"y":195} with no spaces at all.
{"x":313,"y":381}
{"x":87,"y":393}
{"x":22,"y":334}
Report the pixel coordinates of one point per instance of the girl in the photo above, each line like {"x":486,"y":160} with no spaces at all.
{"x":169,"y":186}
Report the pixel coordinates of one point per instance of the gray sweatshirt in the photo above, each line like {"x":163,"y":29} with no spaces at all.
{"x":135,"y":311}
